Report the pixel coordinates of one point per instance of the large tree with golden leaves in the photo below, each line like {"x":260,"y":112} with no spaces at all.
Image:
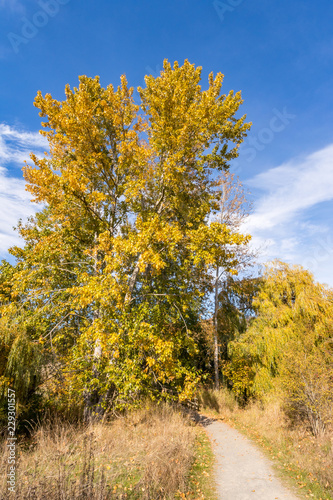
{"x":117,"y":266}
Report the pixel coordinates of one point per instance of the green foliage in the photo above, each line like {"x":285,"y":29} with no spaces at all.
{"x":288,"y":345}
{"x":235,"y":307}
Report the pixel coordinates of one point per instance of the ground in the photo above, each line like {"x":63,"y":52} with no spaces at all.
{"x":241,"y":471}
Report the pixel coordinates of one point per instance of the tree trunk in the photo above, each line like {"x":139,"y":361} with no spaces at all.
{"x":131,"y":284}
{"x":93,"y":409}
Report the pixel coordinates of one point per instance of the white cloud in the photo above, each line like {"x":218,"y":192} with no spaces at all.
{"x":16,"y":145}
{"x":287,"y":221}
{"x":25,"y":138}
{"x":15,"y":204}
{"x":292,"y":188}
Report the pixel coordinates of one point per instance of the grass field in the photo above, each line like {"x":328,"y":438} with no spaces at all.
{"x":153,"y":453}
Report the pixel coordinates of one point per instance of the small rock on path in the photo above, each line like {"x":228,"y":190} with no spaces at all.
{"x":242,"y":472}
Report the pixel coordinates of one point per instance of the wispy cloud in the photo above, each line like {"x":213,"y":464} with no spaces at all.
{"x":293,"y":187}
{"x":16,"y":145}
{"x":287,"y":220}
{"x":15,"y":204}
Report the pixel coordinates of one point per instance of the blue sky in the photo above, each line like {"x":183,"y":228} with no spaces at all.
{"x":278,"y":53}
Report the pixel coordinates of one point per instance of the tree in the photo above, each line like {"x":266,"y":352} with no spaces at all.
{"x":229,"y":297}
{"x":288,"y":345}
{"x":117,"y":267}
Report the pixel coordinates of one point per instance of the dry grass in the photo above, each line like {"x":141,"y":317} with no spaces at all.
{"x":147,"y":455}
{"x":306,"y":459}
{"x":201,"y":484}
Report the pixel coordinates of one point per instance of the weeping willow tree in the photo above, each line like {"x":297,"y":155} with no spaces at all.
{"x":288,"y":345}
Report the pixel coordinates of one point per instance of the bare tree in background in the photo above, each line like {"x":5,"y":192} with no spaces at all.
{"x":233,"y":211}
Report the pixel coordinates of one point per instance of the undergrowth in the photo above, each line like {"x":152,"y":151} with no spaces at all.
{"x":148,"y":454}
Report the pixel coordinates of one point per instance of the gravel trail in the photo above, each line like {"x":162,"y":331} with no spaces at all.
{"x":242,"y":472}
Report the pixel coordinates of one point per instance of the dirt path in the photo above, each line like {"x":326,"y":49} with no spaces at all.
{"x":242,"y":472}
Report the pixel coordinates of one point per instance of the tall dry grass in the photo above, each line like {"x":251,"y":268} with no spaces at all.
{"x":146,"y":454}
{"x":306,"y":458}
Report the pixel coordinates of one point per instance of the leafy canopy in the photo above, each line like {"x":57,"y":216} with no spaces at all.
{"x":291,"y":333}
{"x":117,"y":265}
